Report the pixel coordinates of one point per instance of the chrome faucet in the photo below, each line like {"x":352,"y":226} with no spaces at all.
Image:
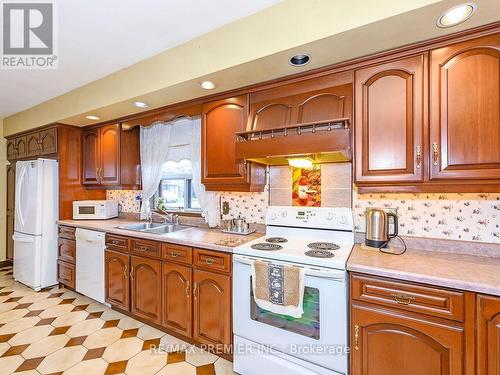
{"x":168,"y":218}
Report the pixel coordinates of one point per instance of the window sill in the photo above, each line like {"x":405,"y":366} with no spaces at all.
{"x":181,"y":213}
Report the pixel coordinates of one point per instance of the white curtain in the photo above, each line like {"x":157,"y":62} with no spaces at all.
{"x":209,"y":201}
{"x":154,"y":152}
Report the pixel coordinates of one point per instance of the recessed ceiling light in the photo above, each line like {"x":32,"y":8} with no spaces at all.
{"x":207,"y":85}
{"x":92,"y":117}
{"x":457,"y":14}
{"x":141,"y":104}
{"x":299,"y":59}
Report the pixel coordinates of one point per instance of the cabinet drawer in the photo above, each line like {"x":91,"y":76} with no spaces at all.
{"x":67,"y":232}
{"x":212,"y":260}
{"x":176,"y":253}
{"x":66,"y":250}
{"x":411,"y":297}
{"x":145,"y":247}
{"x":114,"y":242}
{"x":66,"y":273}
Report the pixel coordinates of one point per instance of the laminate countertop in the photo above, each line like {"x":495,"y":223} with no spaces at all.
{"x":194,"y":236}
{"x":461,"y":271}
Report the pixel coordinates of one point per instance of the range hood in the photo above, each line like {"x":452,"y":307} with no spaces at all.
{"x":325,"y":142}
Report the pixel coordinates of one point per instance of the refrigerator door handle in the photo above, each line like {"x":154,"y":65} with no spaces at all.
{"x":18,"y":199}
{"x":26,"y":239}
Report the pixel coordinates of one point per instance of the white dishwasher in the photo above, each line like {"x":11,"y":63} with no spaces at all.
{"x":90,"y":247}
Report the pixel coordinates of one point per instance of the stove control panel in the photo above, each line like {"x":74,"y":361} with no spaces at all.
{"x":310,"y":217}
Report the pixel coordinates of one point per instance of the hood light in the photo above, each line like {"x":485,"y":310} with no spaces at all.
{"x":456,"y":15}
{"x":92,"y":117}
{"x":305,"y":162}
{"x":207,"y":85}
{"x":141,"y":104}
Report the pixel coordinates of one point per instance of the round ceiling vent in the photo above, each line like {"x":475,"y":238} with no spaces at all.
{"x":299,"y":59}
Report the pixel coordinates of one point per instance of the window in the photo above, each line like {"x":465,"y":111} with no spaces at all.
{"x":175,"y":191}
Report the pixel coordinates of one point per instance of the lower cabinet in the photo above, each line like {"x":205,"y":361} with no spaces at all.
{"x":66,"y":256}
{"x":211,"y":308}
{"x":488,"y":335}
{"x":386,"y":342}
{"x":117,"y":282}
{"x":176,"y":293}
{"x":145,"y":275}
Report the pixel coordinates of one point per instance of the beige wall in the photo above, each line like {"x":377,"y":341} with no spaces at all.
{"x":3,"y":193}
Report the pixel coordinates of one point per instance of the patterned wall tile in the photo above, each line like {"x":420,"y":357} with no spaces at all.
{"x":470,"y":217}
{"x":130,"y":200}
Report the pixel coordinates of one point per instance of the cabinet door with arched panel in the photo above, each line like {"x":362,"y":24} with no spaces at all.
{"x":389,"y":121}
{"x":488,"y":335}
{"x":465,"y":110}
{"x":145,"y":276}
{"x":176,"y":298}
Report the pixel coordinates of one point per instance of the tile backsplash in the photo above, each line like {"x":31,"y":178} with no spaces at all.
{"x":468,"y":217}
{"x":457,"y":216}
{"x":130,"y":200}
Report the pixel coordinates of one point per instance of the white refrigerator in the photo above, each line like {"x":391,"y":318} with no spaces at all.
{"x":35,"y":225}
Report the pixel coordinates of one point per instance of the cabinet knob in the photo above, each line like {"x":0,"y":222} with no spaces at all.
{"x":209,"y":261}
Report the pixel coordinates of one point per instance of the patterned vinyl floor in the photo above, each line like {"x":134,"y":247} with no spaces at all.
{"x":58,"y":331}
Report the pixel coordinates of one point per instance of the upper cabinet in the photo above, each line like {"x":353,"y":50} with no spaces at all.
{"x":390,"y":121}
{"x":220,"y":170}
{"x":314,"y":100}
{"x":435,"y":132}
{"x":465,"y":110}
{"x":33,"y":145}
{"x":108,"y":162}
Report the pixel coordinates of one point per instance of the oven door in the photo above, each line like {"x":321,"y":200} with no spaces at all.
{"x":318,"y":337}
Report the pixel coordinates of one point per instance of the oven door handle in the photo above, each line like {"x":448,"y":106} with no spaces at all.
{"x":331,"y":274}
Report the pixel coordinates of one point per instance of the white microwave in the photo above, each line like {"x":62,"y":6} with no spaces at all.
{"x":95,"y":210}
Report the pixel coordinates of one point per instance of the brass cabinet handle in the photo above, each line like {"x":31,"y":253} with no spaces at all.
{"x":245,"y":167}
{"x":97,"y":175}
{"x":132,"y":273}
{"x":195,"y":286}
{"x":174,"y":255}
{"x":209,"y":261}
{"x":187,"y":289}
{"x":356,"y":337}
{"x":39,"y":144}
{"x":142,"y":248}
{"x":402,"y":299}
{"x":435,"y":153}
{"x":419,"y":156}
{"x":114,"y":242}
{"x":125,"y":272}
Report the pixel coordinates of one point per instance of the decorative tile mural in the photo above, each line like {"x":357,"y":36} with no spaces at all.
{"x":470,"y":217}
{"x":306,"y":186}
{"x":129,"y":200}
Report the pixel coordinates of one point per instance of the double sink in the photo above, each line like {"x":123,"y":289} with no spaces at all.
{"x":154,"y":228}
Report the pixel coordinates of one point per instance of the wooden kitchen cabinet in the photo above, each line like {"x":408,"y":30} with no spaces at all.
{"x":220,"y":170}
{"x":488,"y":335}
{"x":21,"y":149}
{"x":389,"y":128}
{"x":111,"y":157}
{"x":145,"y":275}
{"x":117,"y":282}
{"x":101,"y":155}
{"x":11,"y":149}
{"x":41,"y":143}
{"x":211,"y":308}
{"x":177,"y":298}
{"x":11,"y":186}
{"x":387,"y":342}
{"x":90,"y":149}
{"x":465,"y":110}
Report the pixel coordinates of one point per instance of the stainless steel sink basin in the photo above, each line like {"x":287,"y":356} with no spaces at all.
{"x":141,"y":227}
{"x":169,"y":228}
{"x":154,"y":228}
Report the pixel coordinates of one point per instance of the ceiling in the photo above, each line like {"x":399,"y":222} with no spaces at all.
{"x":99,"y":37}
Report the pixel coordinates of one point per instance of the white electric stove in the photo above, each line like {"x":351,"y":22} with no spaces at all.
{"x":319,"y":240}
